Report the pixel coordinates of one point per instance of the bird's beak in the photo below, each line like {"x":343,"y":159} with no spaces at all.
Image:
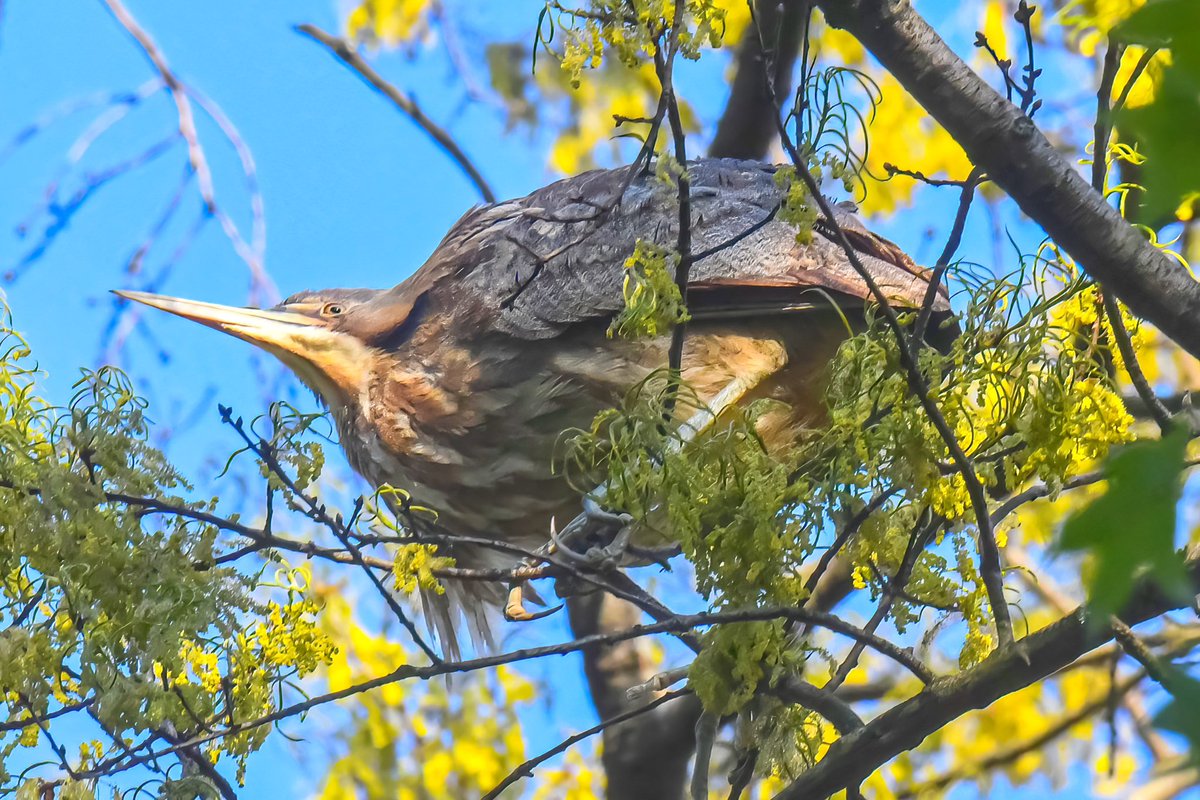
{"x":332,"y":364}
{"x":258,"y":326}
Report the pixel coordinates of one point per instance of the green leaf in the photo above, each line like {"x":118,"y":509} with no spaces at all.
{"x":1182,"y":714}
{"x":1130,"y":529}
{"x":1166,"y":129}
{"x":1163,"y":23}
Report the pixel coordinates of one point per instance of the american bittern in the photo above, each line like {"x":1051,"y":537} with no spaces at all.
{"x":456,"y":383}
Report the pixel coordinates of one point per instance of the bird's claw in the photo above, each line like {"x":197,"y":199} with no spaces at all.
{"x":602,"y":558}
{"x":514,"y":608}
{"x":596,"y":557}
{"x":596,"y":513}
{"x":610,"y":555}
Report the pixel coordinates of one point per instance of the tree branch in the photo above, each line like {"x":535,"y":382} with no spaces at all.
{"x":747,"y":126}
{"x":646,"y":759}
{"x":903,"y":727}
{"x":346,"y":54}
{"x":526,"y":768}
{"x":249,"y":252}
{"x":1007,"y":755}
{"x":997,"y":136}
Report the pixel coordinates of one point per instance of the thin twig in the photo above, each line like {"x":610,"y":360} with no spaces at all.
{"x":682,"y":622}
{"x":251,"y":254}
{"x":342,"y":49}
{"x":19,"y":724}
{"x":851,"y":528}
{"x":187,"y":121}
{"x":525,"y":769}
{"x":1112,"y":309}
{"x":317,"y":512}
{"x":965,"y":199}
{"x":1007,"y":755}
{"x":1136,"y":649}
{"x":990,"y":567}
{"x":892,"y":171}
{"x":683,"y":247}
{"x":893,"y":588}
{"x":1134,"y":75}
{"x":841,"y":715}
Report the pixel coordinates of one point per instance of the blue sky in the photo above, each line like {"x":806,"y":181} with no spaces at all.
{"x":355,"y":195}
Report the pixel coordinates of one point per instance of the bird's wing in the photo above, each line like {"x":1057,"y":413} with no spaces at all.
{"x":531,"y":267}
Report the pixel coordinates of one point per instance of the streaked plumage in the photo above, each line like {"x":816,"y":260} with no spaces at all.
{"x":456,"y":383}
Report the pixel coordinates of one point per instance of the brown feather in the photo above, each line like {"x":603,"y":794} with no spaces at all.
{"x":498,"y":343}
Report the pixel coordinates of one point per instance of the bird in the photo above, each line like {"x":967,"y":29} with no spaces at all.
{"x":457,"y":383}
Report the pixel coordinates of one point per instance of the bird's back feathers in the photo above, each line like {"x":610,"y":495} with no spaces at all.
{"x":531,"y":267}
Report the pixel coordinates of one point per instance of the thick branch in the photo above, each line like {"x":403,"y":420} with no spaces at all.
{"x":1044,"y":183}
{"x":903,"y":727}
{"x":747,"y":126}
{"x":646,"y":759}
{"x":526,"y":768}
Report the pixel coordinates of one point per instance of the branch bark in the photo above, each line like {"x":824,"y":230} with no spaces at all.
{"x":645,"y":758}
{"x":1045,"y":184}
{"x":854,"y":757}
{"x":747,"y":126}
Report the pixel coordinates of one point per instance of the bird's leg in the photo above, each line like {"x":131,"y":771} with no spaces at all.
{"x":570,"y":544}
{"x":514,"y":607}
{"x":594,"y":515}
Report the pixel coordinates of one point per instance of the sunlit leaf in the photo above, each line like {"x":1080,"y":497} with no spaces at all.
{"x":1130,"y":529}
{"x":1166,"y":129}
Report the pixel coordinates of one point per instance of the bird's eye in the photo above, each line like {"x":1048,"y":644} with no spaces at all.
{"x":331,"y":309}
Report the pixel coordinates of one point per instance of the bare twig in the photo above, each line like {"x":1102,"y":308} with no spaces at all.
{"x":1134,"y":76}
{"x":344,"y":52}
{"x":990,"y":566}
{"x":1136,"y":649}
{"x":187,"y":121}
{"x":966,"y":197}
{"x":319,"y":514}
{"x":1112,"y":309}
{"x":181,"y":95}
{"x":525,"y":769}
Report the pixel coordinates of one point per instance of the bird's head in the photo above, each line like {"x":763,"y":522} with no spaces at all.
{"x":332,"y":339}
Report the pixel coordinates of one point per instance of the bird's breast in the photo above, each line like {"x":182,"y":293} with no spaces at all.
{"x":477,"y":441}
{"x":482,"y":459}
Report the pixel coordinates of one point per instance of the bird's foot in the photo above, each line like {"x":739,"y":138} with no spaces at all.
{"x":592,"y":526}
{"x":596,"y":540}
{"x":514,"y":607}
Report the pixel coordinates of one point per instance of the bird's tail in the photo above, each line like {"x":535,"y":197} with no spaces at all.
{"x":474,"y":605}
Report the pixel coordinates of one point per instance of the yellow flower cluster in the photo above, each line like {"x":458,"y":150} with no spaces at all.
{"x":389,"y":21}
{"x":1075,"y":430}
{"x":414,"y":567}
{"x":584,"y":50}
{"x":289,"y":637}
{"x":634,"y":30}
{"x":203,"y":665}
{"x":798,"y":207}
{"x":653,"y":302}
{"x":978,"y":643}
{"x":412,"y":741}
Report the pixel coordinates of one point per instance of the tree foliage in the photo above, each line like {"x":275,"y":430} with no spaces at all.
{"x":956,"y":489}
